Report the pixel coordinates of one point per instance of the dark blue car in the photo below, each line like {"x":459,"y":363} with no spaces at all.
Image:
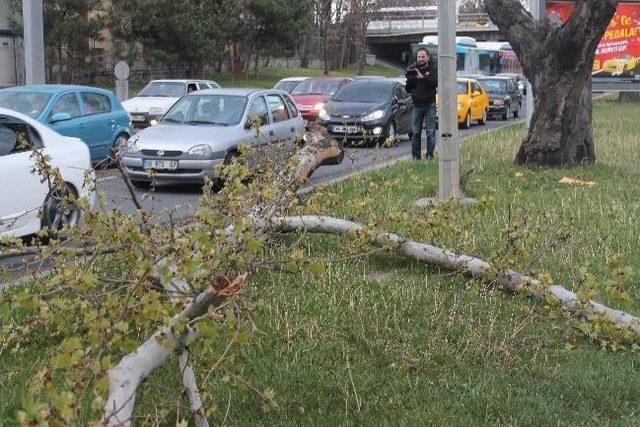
{"x":91,"y":114}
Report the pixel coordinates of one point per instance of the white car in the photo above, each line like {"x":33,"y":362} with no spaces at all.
{"x":26,"y":203}
{"x":289,"y":83}
{"x":158,"y":96}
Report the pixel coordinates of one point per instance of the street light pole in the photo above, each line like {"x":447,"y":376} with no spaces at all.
{"x":33,"y":41}
{"x":449,"y":142}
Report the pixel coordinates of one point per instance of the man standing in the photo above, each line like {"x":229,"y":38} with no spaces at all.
{"x":422,"y":84}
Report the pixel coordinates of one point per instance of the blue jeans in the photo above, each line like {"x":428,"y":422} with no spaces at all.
{"x":419,"y":115}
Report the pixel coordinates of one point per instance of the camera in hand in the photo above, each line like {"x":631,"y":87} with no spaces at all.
{"x":418,"y":66}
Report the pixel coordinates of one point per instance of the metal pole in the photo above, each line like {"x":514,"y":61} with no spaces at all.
{"x":449,"y":143}
{"x":33,"y":42}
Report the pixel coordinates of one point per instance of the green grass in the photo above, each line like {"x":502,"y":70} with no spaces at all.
{"x":387,"y":341}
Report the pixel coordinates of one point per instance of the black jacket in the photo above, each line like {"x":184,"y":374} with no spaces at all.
{"x":423,"y":91}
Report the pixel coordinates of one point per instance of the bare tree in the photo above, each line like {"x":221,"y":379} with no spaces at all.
{"x":557,"y":58}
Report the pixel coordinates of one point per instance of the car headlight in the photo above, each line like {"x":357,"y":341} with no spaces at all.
{"x":498,"y":102}
{"x":202,"y":150}
{"x":323,"y":115}
{"x":155,"y":111}
{"x":319,"y":106}
{"x":376,"y":115}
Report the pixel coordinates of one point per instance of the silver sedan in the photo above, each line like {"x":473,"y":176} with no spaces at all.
{"x":204,"y":129}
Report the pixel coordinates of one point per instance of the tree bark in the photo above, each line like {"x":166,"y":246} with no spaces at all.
{"x":557,"y":59}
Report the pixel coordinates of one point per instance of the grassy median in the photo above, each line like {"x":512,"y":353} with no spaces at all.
{"x":383,"y":340}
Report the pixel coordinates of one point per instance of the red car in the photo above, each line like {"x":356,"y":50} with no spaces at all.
{"x":311,"y":95}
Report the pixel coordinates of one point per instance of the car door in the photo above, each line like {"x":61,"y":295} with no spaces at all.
{"x":283,"y":128}
{"x":476,"y":101}
{"x":73,"y":126}
{"x":403,"y":112}
{"x":258,"y":111}
{"x":297,"y":123}
{"x":100,"y":122}
{"x":21,"y":192}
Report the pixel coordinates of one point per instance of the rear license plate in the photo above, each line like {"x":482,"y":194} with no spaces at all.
{"x":160,"y":164}
{"x":138,"y":118}
{"x":347,"y":129}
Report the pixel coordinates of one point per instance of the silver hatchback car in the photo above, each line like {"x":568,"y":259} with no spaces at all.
{"x":204,"y":129}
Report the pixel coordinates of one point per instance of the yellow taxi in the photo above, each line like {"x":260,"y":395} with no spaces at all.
{"x":620,"y":65}
{"x":473,"y":103}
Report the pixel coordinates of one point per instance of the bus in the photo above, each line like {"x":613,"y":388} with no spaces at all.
{"x":476,"y":58}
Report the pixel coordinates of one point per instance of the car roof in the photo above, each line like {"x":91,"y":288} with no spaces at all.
{"x":330,"y":78}
{"x":293,"y":79}
{"x":55,"y":89}
{"x":180,"y":81}
{"x":374,"y":82}
{"x":234,"y":91}
{"x":495,"y":78}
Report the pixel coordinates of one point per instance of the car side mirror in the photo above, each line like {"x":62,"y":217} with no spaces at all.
{"x":475,"y":94}
{"x":60,"y":117}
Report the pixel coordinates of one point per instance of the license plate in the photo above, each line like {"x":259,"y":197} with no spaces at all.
{"x":347,"y":129}
{"x":138,"y":118}
{"x":160,"y":164}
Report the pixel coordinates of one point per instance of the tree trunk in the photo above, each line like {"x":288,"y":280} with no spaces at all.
{"x":560,"y":132}
{"x":304,"y":51}
{"x":557,"y":58}
{"x":256,"y":61}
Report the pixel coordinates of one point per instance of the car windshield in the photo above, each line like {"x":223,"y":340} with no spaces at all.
{"x":462,"y":88}
{"x":221,"y":110}
{"x":287,"y":86}
{"x":316,"y":86}
{"x":363,"y":92}
{"x":28,"y":103}
{"x":164,"y":89}
{"x":495,"y":86}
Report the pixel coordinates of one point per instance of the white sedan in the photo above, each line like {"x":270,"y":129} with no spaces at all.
{"x":26,"y":202}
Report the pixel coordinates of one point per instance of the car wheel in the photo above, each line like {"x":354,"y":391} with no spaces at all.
{"x":483,"y":120}
{"x":467,"y":121}
{"x":60,"y":210}
{"x":507,"y":112}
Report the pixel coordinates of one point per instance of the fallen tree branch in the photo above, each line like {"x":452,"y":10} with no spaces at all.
{"x":320,"y":149}
{"x":470,"y":266}
{"x":125,"y":377}
{"x":191,"y":389}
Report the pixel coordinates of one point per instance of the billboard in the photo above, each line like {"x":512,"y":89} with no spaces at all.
{"x":617,"y":62}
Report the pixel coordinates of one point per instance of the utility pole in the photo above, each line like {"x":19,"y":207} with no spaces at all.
{"x":538,"y":9}
{"x":449,"y":141}
{"x":33,"y":41}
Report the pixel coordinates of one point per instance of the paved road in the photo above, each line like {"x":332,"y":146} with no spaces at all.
{"x":184,"y":197}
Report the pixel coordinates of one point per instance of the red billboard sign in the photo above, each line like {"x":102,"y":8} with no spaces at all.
{"x":618,"y":54}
